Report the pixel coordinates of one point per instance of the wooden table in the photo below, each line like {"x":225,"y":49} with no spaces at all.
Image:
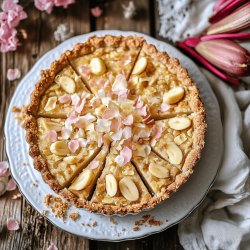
{"x":36,"y":232}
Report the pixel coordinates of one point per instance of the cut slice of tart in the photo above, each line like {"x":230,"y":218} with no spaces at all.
{"x":83,"y":185}
{"x":103,"y":60}
{"x":65,"y":157}
{"x":59,"y":91}
{"x":163,"y":84}
{"x":119,"y":185}
{"x":155,"y":171}
{"x":179,"y":136}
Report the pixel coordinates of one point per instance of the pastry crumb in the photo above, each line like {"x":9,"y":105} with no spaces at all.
{"x":57,"y":206}
{"x":94,"y":224}
{"x":74,"y":216}
{"x":136,"y":229}
{"x":15,"y":109}
{"x":20,"y":114}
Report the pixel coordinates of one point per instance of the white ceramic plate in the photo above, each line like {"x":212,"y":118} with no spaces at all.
{"x":169,"y":212}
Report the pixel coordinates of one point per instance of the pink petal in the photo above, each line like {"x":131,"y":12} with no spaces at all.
{"x":73,"y":145}
{"x":71,"y":120}
{"x":122,"y":95}
{"x":75,"y":99}
{"x":80,"y":107}
{"x":13,"y":74}
{"x":89,"y":117}
{"x":52,"y":247}
{"x":117,"y":135}
{"x":12,"y":224}
{"x":64,"y":99}
{"x":126,"y":153}
{"x":65,"y":133}
{"x":120,"y":83}
{"x":51,"y":136}
{"x":96,"y":11}
{"x":156,"y":132}
{"x":110,"y":113}
{"x":139,"y":103}
{"x":83,"y":142}
{"x":84,"y":70}
{"x":115,"y":125}
{"x":94,"y":164}
{"x":4,"y":168}
{"x":99,"y":140}
{"x":119,"y":160}
{"x":11,"y":185}
{"x":128,"y":120}
{"x":127,"y":132}
{"x":81,"y":123}
{"x":143,"y":111}
{"x":165,"y":107}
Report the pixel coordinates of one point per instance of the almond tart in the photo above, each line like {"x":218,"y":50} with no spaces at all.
{"x":115,"y":126}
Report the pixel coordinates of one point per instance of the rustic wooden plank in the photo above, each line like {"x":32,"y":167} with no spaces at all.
{"x":113,"y":18}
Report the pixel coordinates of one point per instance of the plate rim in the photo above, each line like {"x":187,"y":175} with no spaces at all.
{"x":102,"y":32}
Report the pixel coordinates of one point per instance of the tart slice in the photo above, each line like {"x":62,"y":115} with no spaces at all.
{"x":163,"y":84}
{"x":83,"y":185}
{"x":119,"y":185}
{"x":179,"y":136}
{"x":156,"y":172}
{"x":65,"y":157}
{"x":103,"y":60}
{"x":59,"y":91}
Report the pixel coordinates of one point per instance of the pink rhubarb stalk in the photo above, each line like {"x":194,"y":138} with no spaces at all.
{"x":226,"y":55}
{"x":223,"y":8}
{"x":237,"y":20}
{"x":232,"y":80}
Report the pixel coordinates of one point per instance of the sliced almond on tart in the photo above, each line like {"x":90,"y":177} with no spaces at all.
{"x":128,"y":189}
{"x":59,"y":148}
{"x":51,"y":103}
{"x":174,"y":153}
{"x":140,"y":66}
{"x":97,"y":66}
{"x":158,"y":171}
{"x":179,"y":123}
{"x":66,"y":83}
{"x":174,"y":95}
{"x":111,"y":185}
{"x":83,"y":180}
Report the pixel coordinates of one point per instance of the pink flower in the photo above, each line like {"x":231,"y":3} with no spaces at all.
{"x":45,"y":5}
{"x":12,"y":224}
{"x":8,"y":38}
{"x":13,"y":74}
{"x":10,"y":17}
{"x":13,"y":13}
{"x":96,"y":11}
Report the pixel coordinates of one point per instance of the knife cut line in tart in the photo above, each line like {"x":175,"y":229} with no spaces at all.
{"x":115,"y":126}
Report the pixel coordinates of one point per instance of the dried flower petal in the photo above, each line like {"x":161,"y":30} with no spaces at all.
{"x":4,"y":168}
{"x":12,"y":224}
{"x":94,"y":164}
{"x":96,"y":11}
{"x":11,"y":185}
{"x":13,"y":74}
{"x":73,"y":145}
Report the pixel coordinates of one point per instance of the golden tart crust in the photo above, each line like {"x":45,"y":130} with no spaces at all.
{"x":128,"y":169}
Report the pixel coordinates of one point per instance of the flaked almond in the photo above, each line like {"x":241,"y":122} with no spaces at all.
{"x":59,"y":148}
{"x":173,"y":95}
{"x":71,"y":159}
{"x":83,"y":180}
{"x":174,"y":153}
{"x":111,"y":185}
{"x":52,"y":125}
{"x":128,"y":189}
{"x":51,"y":103}
{"x":140,"y":66}
{"x":179,"y":139}
{"x":158,"y":171}
{"x":66,"y":83}
{"x":179,"y":123}
{"x":97,"y":66}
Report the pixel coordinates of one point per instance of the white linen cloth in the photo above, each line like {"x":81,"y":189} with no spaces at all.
{"x":223,"y":219}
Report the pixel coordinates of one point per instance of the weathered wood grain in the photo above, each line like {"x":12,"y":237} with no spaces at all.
{"x":36,"y":232}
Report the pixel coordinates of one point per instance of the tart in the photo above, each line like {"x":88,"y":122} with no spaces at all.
{"x":115,"y":126}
